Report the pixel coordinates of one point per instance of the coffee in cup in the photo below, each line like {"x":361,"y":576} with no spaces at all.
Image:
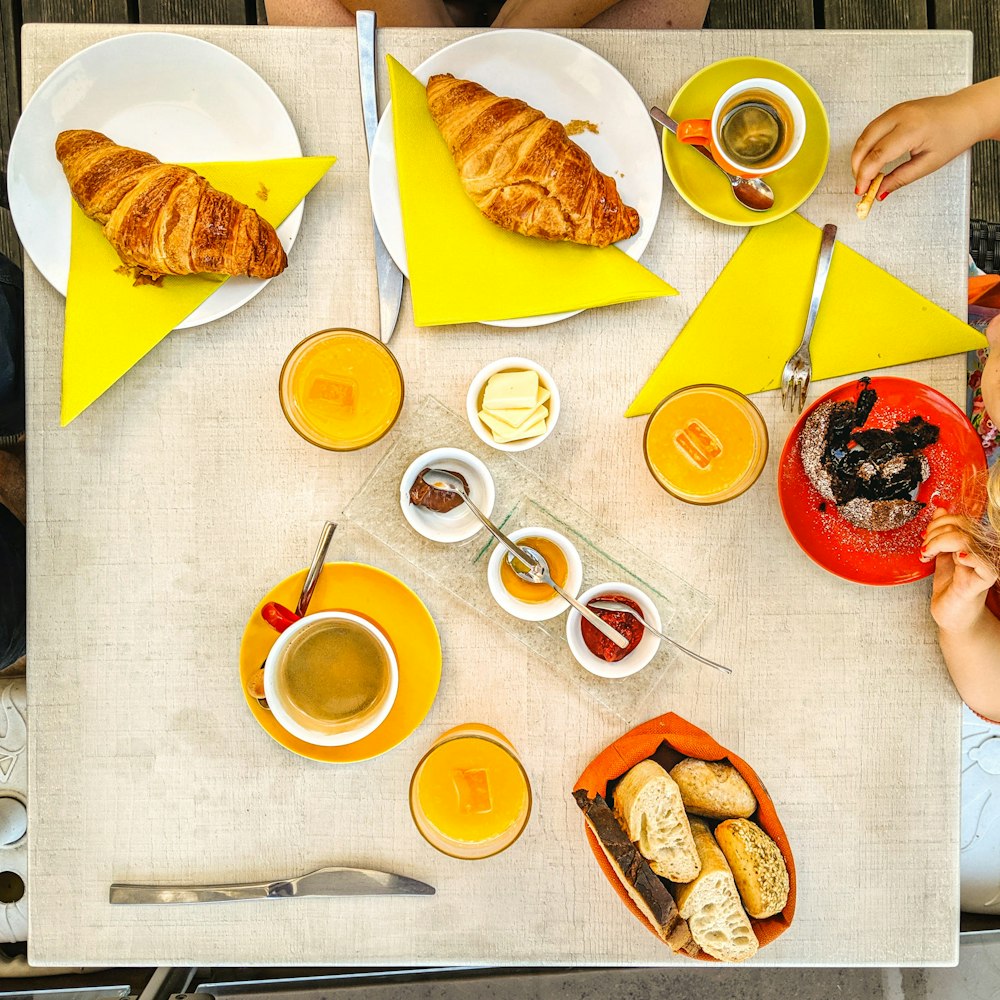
{"x":331,"y":678}
{"x":757,"y":127}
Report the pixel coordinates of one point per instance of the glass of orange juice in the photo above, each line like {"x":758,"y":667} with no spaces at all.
{"x":341,"y":389}
{"x":705,"y":444}
{"x":469,"y":795}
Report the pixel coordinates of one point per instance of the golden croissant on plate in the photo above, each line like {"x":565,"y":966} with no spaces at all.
{"x":523,"y":171}
{"x":162,"y":218}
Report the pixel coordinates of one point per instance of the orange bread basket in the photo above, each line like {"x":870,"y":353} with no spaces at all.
{"x":667,"y":739}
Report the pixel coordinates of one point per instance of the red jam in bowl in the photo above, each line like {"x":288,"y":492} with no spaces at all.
{"x":621,"y":621}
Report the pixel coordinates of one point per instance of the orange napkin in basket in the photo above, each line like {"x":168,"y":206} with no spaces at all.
{"x":690,"y":741}
{"x":111,"y":325}
{"x":751,"y":320}
{"x":464,"y":268}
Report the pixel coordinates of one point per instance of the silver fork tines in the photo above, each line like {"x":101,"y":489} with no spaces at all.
{"x":797,"y":372}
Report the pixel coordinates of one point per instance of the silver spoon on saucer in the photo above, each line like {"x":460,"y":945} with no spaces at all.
{"x":622,"y":606}
{"x":537,"y":568}
{"x":308,"y":586}
{"x":537,"y":571}
{"x":751,"y":192}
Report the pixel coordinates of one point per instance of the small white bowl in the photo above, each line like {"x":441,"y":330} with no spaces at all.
{"x":475,"y":397}
{"x":639,"y":657}
{"x":547,"y":609}
{"x":313,"y":736}
{"x":454,"y":525}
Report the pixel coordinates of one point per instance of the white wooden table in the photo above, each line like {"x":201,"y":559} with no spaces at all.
{"x":158,"y":518}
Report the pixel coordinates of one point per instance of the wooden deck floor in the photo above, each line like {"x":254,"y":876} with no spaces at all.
{"x":982,"y":17}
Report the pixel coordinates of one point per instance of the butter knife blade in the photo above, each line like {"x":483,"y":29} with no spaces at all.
{"x":323,"y":882}
{"x":390,"y":278}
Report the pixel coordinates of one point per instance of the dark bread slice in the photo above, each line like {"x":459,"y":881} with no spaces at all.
{"x":646,"y":889}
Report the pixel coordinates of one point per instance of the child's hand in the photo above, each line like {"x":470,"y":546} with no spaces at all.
{"x":932,"y":130}
{"x":961,"y":579}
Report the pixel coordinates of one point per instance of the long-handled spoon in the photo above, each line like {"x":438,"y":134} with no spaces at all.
{"x":622,"y":606}
{"x":538,"y":572}
{"x":526,"y":556}
{"x":750,"y":192}
{"x":450,"y":483}
{"x":280,"y":618}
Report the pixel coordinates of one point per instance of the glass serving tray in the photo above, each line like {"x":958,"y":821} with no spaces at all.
{"x":524,"y":500}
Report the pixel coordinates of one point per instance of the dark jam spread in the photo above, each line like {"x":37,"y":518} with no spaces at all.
{"x":621,"y":621}
{"x":423,"y":494}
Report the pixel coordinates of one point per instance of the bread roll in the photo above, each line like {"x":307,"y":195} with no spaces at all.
{"x":711,"y":904}
{"x":713,"y":789}
{"x":757,"y":866}
{"x":649,"y":807}
{"x":645,"y":889}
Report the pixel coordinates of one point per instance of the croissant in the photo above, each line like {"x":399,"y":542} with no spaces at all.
{"x":523,"y":171}
{"x":163,"y":218}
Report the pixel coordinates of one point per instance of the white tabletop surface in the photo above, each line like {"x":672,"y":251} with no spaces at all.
{"x":159,"y":517}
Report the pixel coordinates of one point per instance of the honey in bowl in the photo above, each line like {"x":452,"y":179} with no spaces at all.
{"x":705,"y":444}
{"x":469,"y":795}
{"x":341,"y":389}
{"x":536,"y":593}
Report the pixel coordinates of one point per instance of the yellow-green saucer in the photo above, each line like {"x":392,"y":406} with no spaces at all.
{"x":703,"y":186}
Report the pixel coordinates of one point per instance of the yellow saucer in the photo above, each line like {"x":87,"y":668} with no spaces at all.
{"x":386,"y":601}
{"x":703,"y":186}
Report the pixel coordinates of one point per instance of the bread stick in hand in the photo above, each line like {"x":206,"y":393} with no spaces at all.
{"x":865,"y":205}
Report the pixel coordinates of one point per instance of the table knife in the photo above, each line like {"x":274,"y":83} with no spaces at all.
{"x":323,"y":882}
{"x":390,"y":278}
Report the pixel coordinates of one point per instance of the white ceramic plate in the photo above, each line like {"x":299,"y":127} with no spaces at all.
{"x":564,"y":80}
{"x":177,"y":97}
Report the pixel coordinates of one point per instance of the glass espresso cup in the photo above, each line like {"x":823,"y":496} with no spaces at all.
{"x":757,"y":127}
{"x":331,"y":678}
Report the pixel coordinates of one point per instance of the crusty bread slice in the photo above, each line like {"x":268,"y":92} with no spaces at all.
{"x":757,"y":866}
{"x":648,"y":805}
{"x":711,"y":904}
{"x":647,"y":891}
{"x":713,"y":788}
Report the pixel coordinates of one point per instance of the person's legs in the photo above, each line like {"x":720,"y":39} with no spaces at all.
{"x":336,"y":14}
{"x":653,"y":14}
{"x":602,"y":14}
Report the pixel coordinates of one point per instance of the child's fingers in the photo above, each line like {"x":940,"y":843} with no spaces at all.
{"x":943,"y":526}
{"x":947,"y":539}
{"x":875,"y":131}
{"x":913,"y":169}
{"x":941,"y":520}
{"x":891,"y":146}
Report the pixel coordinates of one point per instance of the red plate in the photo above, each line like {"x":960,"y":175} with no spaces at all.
{"x":880,"y":558}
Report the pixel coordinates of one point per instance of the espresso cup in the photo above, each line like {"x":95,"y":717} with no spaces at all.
{"x":331,"y":678}
{"x":757,"y":127}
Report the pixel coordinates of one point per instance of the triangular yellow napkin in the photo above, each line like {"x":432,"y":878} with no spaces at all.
{"x":752,"y":318}
{"x":464,"y":268}
{"x":110,"y":324}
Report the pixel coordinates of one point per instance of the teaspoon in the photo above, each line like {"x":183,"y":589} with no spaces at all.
{"x":622,"y":606}
{"x":538,"y":568}
{"x":450,"y":483}
{"x":538,"y":572}
{"x":751,"y":192}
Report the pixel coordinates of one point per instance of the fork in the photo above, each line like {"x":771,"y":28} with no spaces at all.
{"x":797,"y":372}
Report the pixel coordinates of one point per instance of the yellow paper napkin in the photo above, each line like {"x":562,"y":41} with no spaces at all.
{"x":111,"y":324}
{"x":464,"y":268}
{"x":752,"y":318}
